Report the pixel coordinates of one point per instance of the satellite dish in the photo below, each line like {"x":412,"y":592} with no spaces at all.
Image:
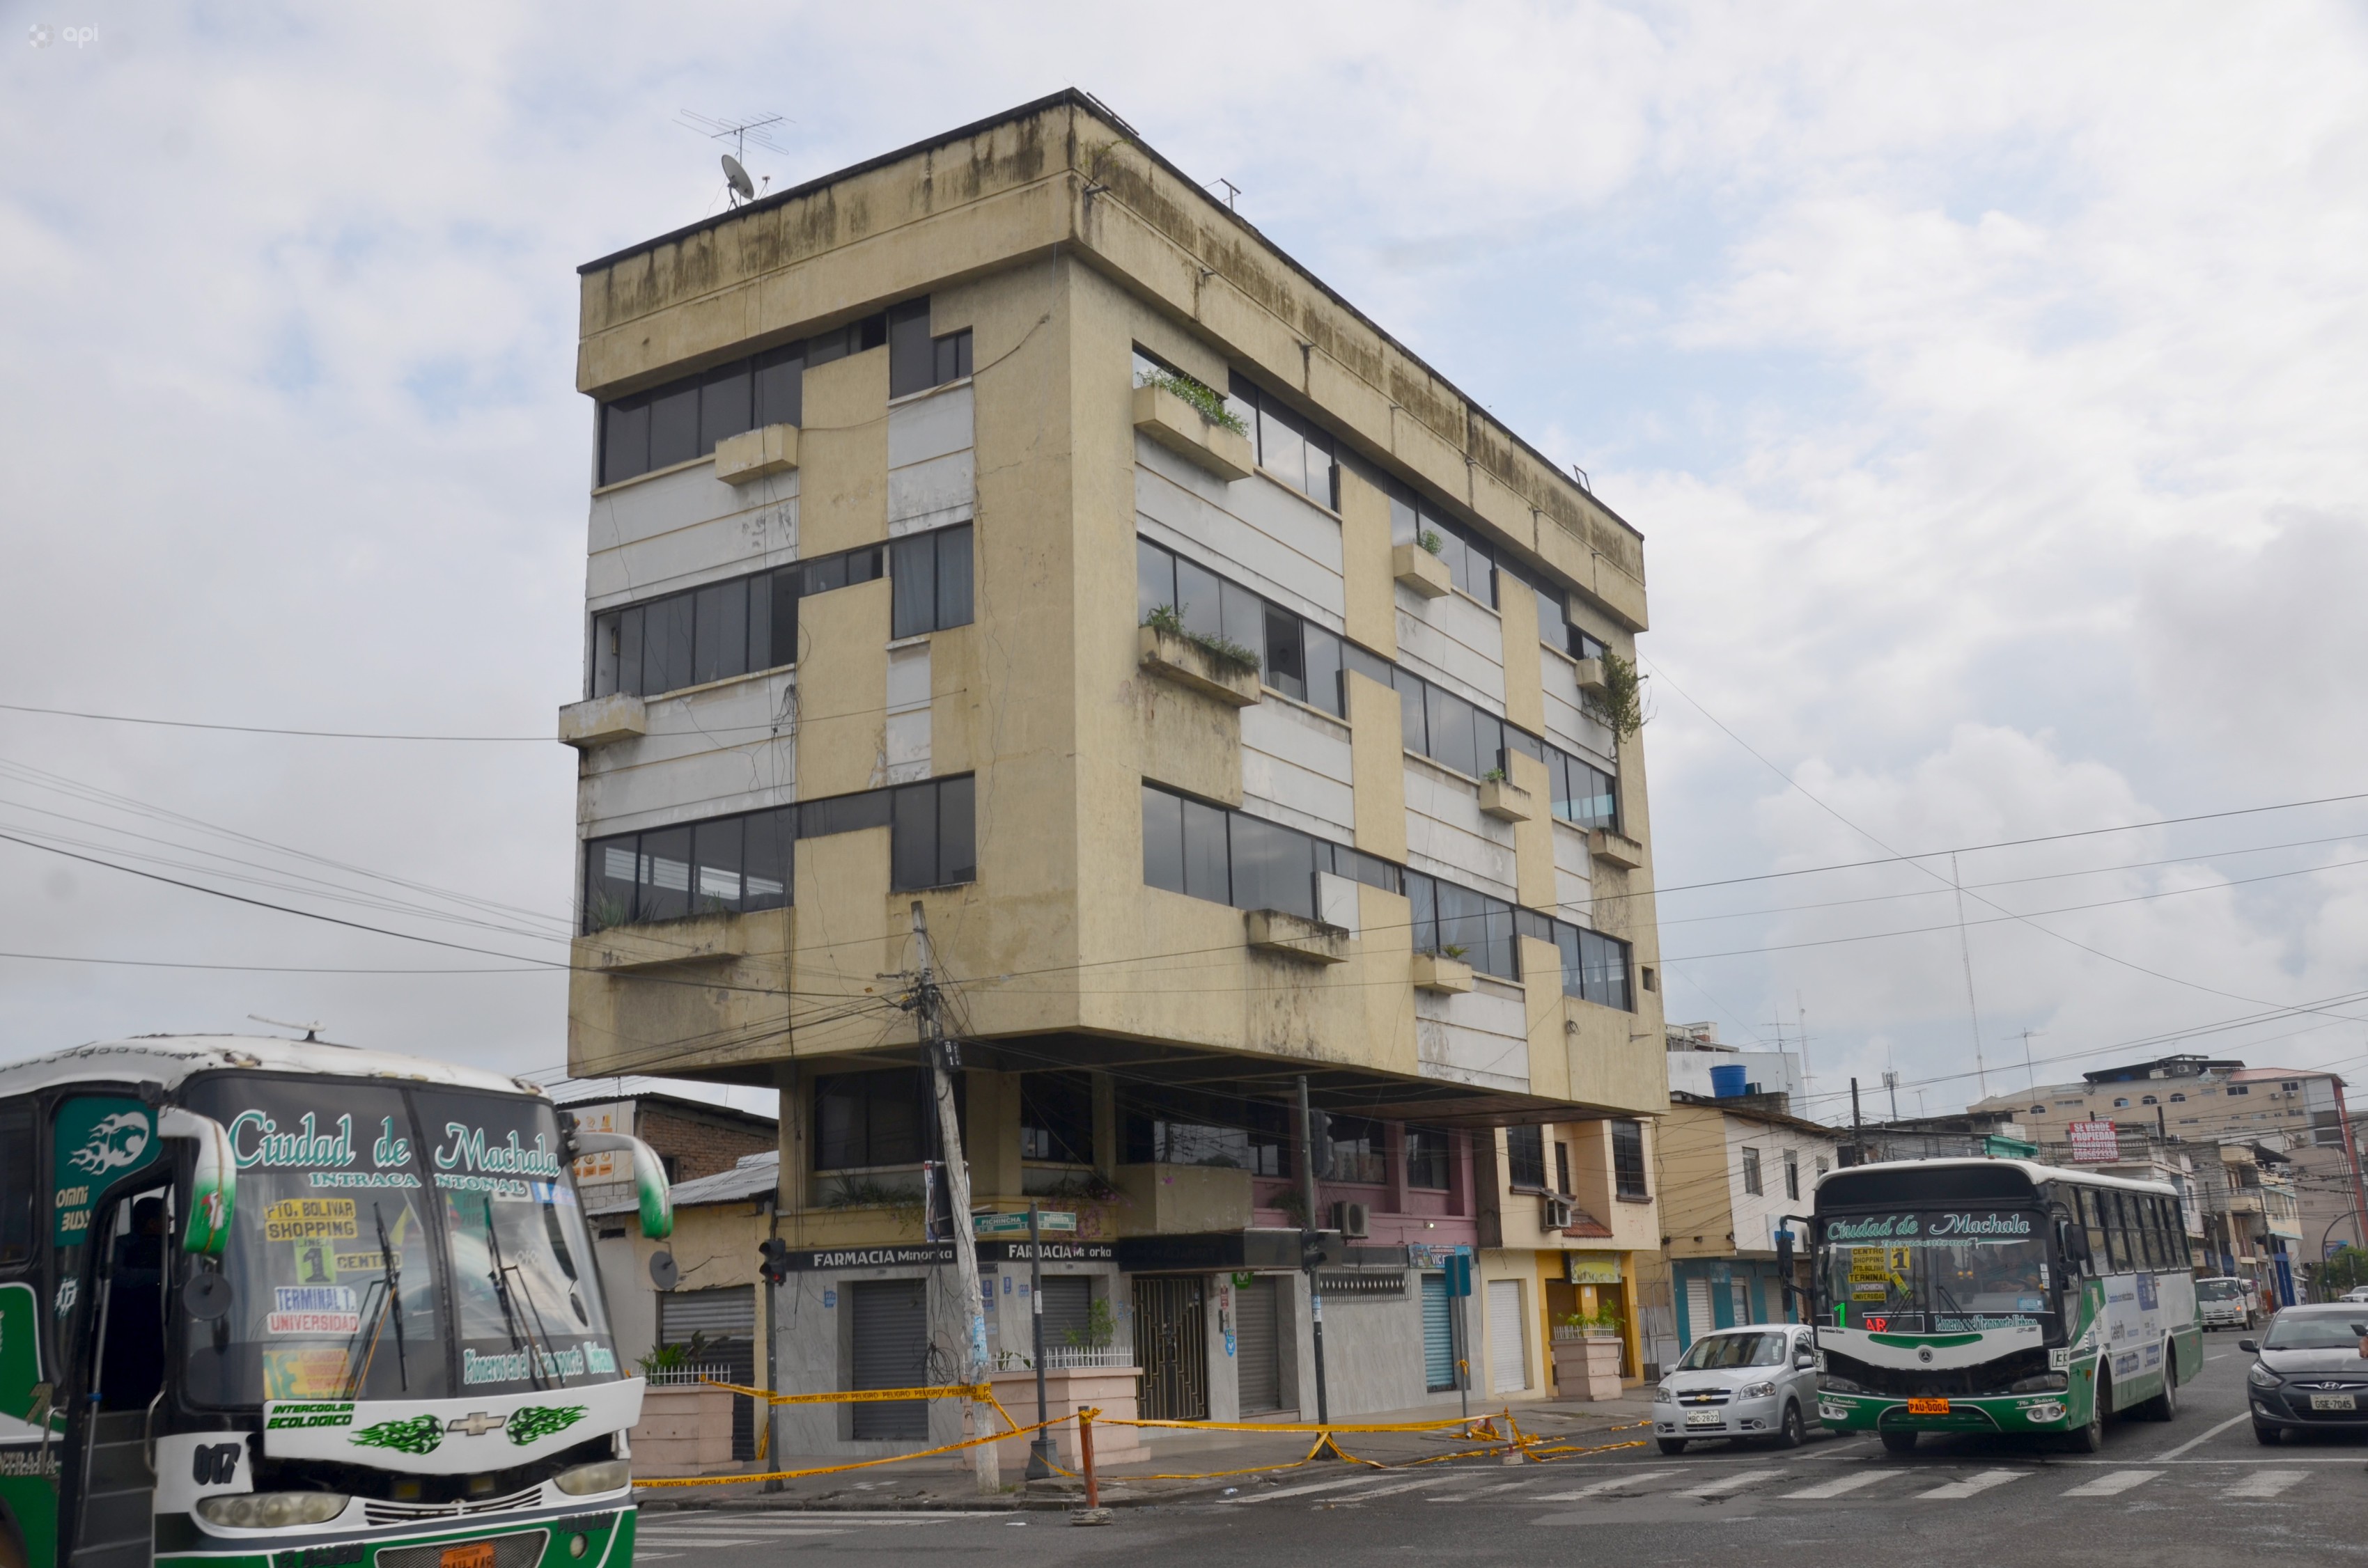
{"x":742,"y":185}
{"x":663,"y":1271}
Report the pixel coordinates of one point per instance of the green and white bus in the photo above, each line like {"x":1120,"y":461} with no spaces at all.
{"x":275,"y":1304}
{"x":1980,"y":1295}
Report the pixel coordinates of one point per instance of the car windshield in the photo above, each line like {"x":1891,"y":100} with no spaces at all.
{"x":2288,"y":1331}
{"x":2218,"y":1290}
{"x":1720,"y":1351}
{"x":362,"y":1209}
{"x":1940,"y":1271}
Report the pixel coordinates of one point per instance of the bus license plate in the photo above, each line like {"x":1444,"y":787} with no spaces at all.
{"x":474,"y":1554}
{"x":1694,"y":1418}
{"x":2334,"y":1402}
{"x":1914,"y":1407}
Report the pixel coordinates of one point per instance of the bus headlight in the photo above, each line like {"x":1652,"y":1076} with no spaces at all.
{"x":2045,"y":1382}
{"x":609,"y":1475}
{"x":1834,"y":1382}
{"x":271,"y":1510}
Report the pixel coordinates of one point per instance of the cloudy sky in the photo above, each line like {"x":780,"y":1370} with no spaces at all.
{"x":1987,"y":384}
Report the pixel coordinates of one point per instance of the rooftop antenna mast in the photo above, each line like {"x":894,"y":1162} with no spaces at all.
{"x":756,"y":128}
{"x":312,"y":1031}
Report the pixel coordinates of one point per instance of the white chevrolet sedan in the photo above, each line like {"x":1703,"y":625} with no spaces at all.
{"x":1755,"y":1384}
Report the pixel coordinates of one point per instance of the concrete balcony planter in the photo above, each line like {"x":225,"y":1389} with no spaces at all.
{"x":1173,"y":656}
{"x":597,"y":723}
{"x":1590,"y":673}
{"x":757,"y":454}
{"x":1611,"y":848}
{"x":1506,"y":801}
{"x":1288,"y":935}
{"x":625,"y":950}
{"x":1587,"y":1367}
{"x":1442,"y":975}
{"x":1420,"y":570}
{"x":685,"y":1430}
{"x":1184,"y":430}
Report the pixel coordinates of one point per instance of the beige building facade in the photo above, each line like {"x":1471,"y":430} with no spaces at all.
{"x":1001,"y":529}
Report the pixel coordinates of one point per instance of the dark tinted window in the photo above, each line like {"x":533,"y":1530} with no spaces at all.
{"x":723,"y":403}
{"x":1289,"y":446}
{"x":910,"y":363}
{"x":751,"y":623}
{"x":1180,"y":1126}
{"x":871,"y":1118}
{"x":931,"y":575}
{"x":625,"y":439}
{"x":1163,"y":840}
{"x":1427,"y":1154}
{"x":933,"y":840}
{"x":777,"y":386}
{"x":18,"y":1185}
{"x":1056,"y":1118}
{"x":674,"y":424}
{"x":1628,"y":1159}
{"x":1525,"y":1156}
{"x":723,"y":866}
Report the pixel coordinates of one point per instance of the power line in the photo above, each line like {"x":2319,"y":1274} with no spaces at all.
{"x":270,"y":729}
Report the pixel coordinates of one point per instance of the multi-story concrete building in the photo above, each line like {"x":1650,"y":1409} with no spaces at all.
{"x":1005,"y":528}
{"x":1734,"y":1171}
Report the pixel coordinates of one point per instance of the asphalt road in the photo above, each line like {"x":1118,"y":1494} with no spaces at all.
{"x":2199,"y":1490}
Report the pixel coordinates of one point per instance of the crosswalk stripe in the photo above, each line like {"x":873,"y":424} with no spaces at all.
{"x":1976,"y":1483}
{"x":2110,"y":1485}
{"x":1601,"y":1487}
{"x":2264,"y":1483}
{"x":1478,"y":1491}
{"x":1325,"y":1486}
{"x":1836,"y":1488}
{"x":1727,"y":1483}
{"x":1402,"y":1486}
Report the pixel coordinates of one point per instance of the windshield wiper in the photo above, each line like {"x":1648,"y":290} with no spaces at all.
{"x":383,"y":1296}
{"x":535,"y":1352}
{"x":391,"y":1273}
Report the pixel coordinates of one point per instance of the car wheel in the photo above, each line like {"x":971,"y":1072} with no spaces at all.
{"x":1898,"y":1442}
{"x":1791,"y":1431}
{"x":1673,"y":1445}
{"x":2268,"y":1436}
{"x":2090,"y":1439}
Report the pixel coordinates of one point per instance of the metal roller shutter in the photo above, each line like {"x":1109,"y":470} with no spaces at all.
{"x":1698,"y":1318}
{"x":727,"y":1315}
{"x":891,"y":1351}
{"x":1257,"y":1345}
{"x":1068,"y":1309}
{"x":1438,"y":1334}
{"x":1508,"y":1370}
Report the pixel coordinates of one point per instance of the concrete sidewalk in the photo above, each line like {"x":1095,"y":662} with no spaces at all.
{"x":943,"y":1480}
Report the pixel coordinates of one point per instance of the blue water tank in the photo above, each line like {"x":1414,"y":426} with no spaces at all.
{"x":1726,"y":1083}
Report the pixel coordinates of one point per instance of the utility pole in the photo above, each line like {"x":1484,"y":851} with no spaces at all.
{"x":2030,"y":1074}
{"x":939,"y":1053}
{"x":1966,"y":952}
{"x":1040,"y":1452}
{"x":1311,"y":1256}
{"x":1891,"y":1082}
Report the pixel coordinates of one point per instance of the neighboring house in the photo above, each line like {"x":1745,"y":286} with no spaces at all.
{"x":2252,"y":1218}
{"x":1734,"y":1171}
{"x":1238,"y":700}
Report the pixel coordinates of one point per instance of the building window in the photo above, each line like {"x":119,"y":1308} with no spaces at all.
{"x":1357,"y":1150}
{"x":1751,"y":1171}
{"x":1525,"y":1157}
{"x":1457,"y":921}
{"x":685,"y":418}
{"x":929,"y":582}
{"x":1471,"y":563}
{"x":2039,"y":1110}
{"x":1225,"y":856}
{"x":916,"y":361}
{"x":1823,"y":1166}
{"x":1427,"y":1152}
{"x":2240,"y":1088}
{"x":2121,"y":1104}
{"x":1792,"y":1175}
{"x":933,"y":835}
{"x":723,"y":866}
{"x":1177,"y":1126}
{"x":1562,"y":1166}
{"x":871,"y":1118}
{"x":2145,"y":1099}
{"x":1594,"y":967}
{"x":1289,"y":446}
{"x":1628,"y":1159}
{"x":1296,"y":657}
{"x":1056,"y":1118}
{"x":721,"y":629}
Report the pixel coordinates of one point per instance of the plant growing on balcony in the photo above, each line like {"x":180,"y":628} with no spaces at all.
{"x":1204,"y":401}
{"x":1432,"y":542}
{"x":1620,"y":705}
{"x":1226,"y":652}
{"x":1496,"y":776}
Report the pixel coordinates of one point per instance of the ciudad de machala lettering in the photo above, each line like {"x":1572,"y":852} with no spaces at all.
{"x":1897,"y":1227}
{"x":257,"y":1140}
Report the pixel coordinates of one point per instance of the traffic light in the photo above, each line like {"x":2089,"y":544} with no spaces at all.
{"x":773,"y":1254}
{"x":1319,"y":1145}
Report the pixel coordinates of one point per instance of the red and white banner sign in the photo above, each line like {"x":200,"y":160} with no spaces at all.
{"x":2095,"y":1142}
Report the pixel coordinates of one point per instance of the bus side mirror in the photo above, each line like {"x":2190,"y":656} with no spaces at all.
{"x":213,"y":1181}
{"x":649,"y":1178}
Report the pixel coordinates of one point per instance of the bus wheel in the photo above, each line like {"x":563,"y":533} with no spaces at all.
{"x":2090,"y":1439}
{"x":12,"y":1551}
{"x":2163,"y":1407}
{"x":1898,"y":1442}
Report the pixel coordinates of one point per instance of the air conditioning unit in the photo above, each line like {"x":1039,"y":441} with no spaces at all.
{"x":1351,"y":1221}
{"x":1556,"y":1213}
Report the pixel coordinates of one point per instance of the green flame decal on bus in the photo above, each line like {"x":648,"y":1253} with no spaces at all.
{"x":536,"y":1421}
{"x":420,"y":1435}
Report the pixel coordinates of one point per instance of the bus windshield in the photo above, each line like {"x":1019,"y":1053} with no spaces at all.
{"x":1937,"y":1271}
{"x":363,"y":1209}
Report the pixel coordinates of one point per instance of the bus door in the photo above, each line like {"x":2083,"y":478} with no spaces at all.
{"x":112,"y":1257}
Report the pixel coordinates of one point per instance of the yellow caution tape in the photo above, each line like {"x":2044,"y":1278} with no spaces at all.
{"x":834,"y":1468}
{"x":978,"y":1392}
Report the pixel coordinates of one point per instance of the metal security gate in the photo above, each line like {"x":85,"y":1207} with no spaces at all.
{"x":1171,"y":1342}
{"x":1508,"y":1370}
{"x":1437,"y":1336}
{"x":1698,"y":1318}
{"x":727,"y":1316}
{"x":891,"y":1351}
{"x":1068,"y":1310}
{"x":1258,"y":1344}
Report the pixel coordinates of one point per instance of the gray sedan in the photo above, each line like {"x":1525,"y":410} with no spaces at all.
{"x":1755,"y":1383}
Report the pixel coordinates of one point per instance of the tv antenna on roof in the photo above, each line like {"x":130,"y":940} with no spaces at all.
{"x":740,"y":133}
{"x":312,"y":1031}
